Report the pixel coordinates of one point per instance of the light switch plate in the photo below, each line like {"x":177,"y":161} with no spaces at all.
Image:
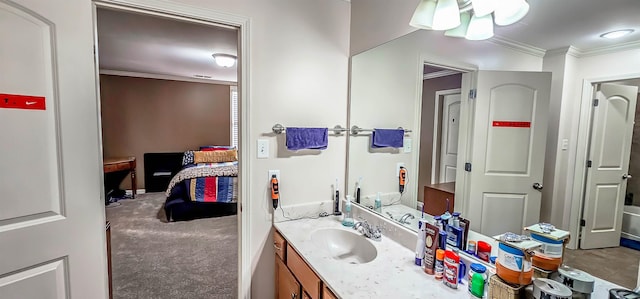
{"x":263,"y":148}
{"x":407,"y":145}
{"x":565,"y":144}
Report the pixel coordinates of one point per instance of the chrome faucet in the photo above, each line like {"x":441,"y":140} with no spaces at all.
{"x":403,"y":219}
{"x":370,"y":231}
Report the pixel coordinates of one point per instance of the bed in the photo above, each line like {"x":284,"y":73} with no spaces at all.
{"x":206,"y":186}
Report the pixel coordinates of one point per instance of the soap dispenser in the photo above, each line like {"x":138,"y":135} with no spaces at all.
{"x":347,"y":218}
{"x":378,"y":204}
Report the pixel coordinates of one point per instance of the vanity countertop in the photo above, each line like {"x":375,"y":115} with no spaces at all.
{"x":391,"y":275}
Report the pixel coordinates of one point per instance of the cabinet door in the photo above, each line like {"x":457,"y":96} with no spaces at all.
{"x":288,"y":287}
{"x":327,"y":294}
{"x":305,"y":295}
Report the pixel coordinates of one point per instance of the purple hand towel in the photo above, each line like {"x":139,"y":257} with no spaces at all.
{"x":307,"y":138}
{"x":387,"y":138}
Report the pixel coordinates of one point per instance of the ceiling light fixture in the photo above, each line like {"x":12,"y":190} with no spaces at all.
{"x":471,"y":19}
{"x":617,"y":33}
{"x":224,"y":60}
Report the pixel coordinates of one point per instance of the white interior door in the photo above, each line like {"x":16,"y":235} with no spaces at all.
{"x":611,"y":131}
{"x":508,"y":139}
{"x":449,"y":138}
{"x":52,"y":222}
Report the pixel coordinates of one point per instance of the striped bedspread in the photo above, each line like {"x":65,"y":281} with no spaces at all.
{"x":210,"y":182}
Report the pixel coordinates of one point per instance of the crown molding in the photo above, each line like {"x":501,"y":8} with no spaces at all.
{"x":164,"y":77}
{"x":570,"y":50}
{"x":611,"y":49}
{"x":439,"y":74}
{"x":518,"y":46}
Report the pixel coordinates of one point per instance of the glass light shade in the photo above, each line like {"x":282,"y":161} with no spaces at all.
{"x":423,"y":16}
{"x":510,"y":11}
{"x":224,"y":60}
{"x":447,"y":15}
{"x":480,"y":28}
{"x":460,"y":31}
{"x":483,"y":7}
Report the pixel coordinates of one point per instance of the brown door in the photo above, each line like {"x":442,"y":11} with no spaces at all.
{"x":288,"y":286}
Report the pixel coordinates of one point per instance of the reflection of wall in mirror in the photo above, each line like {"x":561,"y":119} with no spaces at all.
{"x":429,"y":89}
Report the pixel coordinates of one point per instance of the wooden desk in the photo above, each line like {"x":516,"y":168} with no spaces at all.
{"x":117,"y":164}
{"x":435,"y":198}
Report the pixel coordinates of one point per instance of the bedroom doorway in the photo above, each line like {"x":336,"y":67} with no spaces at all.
{"x":170,"y":125}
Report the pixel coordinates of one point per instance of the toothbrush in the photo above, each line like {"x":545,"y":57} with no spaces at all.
{"x":358,"y":184}
{"x":336,"y":207}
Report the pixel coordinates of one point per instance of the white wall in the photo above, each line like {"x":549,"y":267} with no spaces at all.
{"x":299,"y":73}
{"x":386,"y":86}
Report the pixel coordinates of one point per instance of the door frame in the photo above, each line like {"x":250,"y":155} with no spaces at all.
{"x":582,"y":147}
{"x":195,"y":14}
{"x":468,"y":79}
{"x":437,"y":123}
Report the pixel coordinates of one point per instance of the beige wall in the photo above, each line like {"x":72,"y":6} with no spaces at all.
{"x":634,"y":161}
{"x":429,"y":88}
{"x":150,"y":116}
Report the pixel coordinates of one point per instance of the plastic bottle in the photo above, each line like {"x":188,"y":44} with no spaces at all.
{"x":347,"y":219}
{"x":477,"y":285}
{"x":420,"y":244}
{"x":439,"y":268}
{"x":378,"y":204}
{"x":476,"y":268}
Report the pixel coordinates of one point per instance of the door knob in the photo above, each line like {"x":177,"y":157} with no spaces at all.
{"x":537,"y":186}
{"x":626,"y":176}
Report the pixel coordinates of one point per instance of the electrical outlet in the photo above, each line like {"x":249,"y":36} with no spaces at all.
{"x":276,"y":172}
{"x":398,"y":165}
{"x":407,"y":145}
{"x":263,"y":148}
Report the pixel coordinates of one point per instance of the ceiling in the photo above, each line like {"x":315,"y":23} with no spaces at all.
{"x":147,"y":44}
{"x":138,"y":43}
{"x":553,"y":24}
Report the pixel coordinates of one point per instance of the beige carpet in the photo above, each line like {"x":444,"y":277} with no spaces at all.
{"x":618,"y":264}
{"x":155,"y":259}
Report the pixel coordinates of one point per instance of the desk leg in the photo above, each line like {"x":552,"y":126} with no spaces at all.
{"x":134,"y":182}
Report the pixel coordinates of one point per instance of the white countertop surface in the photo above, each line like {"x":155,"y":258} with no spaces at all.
{"x":391,"y":274}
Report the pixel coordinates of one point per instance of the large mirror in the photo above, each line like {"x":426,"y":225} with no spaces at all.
{"x":409,"y":83}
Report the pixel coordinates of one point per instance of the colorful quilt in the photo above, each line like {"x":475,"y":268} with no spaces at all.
{"x":207,"y":182}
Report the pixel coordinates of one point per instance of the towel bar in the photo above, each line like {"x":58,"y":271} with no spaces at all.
{"x":337,"y":130}
{"x":355,"y":130}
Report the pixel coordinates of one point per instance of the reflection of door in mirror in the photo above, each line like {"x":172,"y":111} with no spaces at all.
{"x":448,"y":119}
{"x":509,"y":140}
{"x":607,"y":176}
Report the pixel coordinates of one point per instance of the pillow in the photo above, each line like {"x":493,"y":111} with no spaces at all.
{"x":208,"y":148}
{"x":215,"y":156}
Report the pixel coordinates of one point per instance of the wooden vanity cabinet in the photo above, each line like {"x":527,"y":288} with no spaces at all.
{"x":294,"y":278}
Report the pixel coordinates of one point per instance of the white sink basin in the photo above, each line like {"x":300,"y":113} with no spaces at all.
{"x":344,"y":245}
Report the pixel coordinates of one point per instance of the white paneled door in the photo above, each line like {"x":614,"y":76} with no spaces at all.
{"x":611,"y":131}
{"x":52,"y":238}
{"x":449,"y":140}
{"x":508,"y":140}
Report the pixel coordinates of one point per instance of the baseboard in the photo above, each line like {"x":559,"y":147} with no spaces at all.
{"x":138,"y":192}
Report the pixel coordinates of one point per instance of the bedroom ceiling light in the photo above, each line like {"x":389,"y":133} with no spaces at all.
{"x":471,"y":19}
{"x":617,"y":33}
{"x":224,"y":60}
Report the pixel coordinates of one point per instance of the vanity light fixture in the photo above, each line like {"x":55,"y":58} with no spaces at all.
{"x":617,"y":33}
{"x":224,"y":60}
{"x":471,"y":19}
